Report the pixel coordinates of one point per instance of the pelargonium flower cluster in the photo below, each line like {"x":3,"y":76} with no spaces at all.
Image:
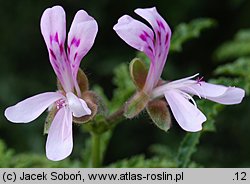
{"x":71,"y":103}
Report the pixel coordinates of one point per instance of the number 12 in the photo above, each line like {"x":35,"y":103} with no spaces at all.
{"x":241,"y":176}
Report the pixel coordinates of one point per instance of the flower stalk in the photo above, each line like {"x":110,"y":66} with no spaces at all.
{"x":96,"y":160}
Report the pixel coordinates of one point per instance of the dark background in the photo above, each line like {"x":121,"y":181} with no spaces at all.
{"x":25,"y":71}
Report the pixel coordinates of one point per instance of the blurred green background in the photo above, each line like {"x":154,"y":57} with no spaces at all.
{"x":25,"y":71}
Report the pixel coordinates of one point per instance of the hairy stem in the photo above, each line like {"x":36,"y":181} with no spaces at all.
{"x":96,"y":150}
{"x":117,"y":115}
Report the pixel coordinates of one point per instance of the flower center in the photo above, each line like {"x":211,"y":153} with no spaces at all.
{"x":60,"y":103}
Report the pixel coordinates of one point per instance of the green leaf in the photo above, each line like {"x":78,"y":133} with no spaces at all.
{"x":243,"y":35}
{"x":240,"y":67}
{"x":162,"y":151}
{"x":33,"y":160}
{"x":187,"y":148}
{"x":139,"y":161}
{"x":232,"y":50}
{"x":124,"y":87}
{"x":6,"y":155}
{"x":187,"y":31}
{"x":238,"y":47}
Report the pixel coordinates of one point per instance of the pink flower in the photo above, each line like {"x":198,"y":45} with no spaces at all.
{"x":81,"y":37}
{"x":155,"y":44}
{"x":178,"y":93}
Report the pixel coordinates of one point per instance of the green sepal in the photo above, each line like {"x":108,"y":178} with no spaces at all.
{"x":136,"y":104}
{"x":138,"y":72}
{"x":49,"y":119}
{"x":82,"y":80}
{"x":159,"y":113}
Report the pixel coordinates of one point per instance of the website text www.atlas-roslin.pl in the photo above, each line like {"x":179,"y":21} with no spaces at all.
{"x":128,"y":176}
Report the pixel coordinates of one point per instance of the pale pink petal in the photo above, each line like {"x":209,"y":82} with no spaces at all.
{"x":53,"y":28}
{"x":53,"y":25}
{"x":81,"y":38}
{"x":152,"y":78}
{"x":232,"y":95}
{"x":154,"y":19}
{"x":78,"y":106}
{"x":59,"y":143}
{"x":136,"y":34}
{"x":30,"y":108}
{"x":189,"y":117}
{"x":85,"y":107}
{"x":162,"y":34}
{"x":218,"y":93}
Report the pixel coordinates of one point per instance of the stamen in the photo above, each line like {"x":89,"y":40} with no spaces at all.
{"x":60,"y":103}
{"x":188,"y":97}
{"x":185,"y":79}
{"x":199,"y":80}
{"x":196,"y":92}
